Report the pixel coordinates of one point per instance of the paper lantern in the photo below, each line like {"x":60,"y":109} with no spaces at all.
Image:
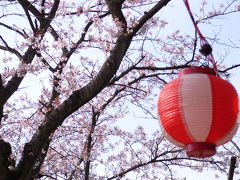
{"x":198,"y":111}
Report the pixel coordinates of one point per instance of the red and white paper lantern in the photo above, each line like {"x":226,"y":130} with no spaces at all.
{"x":198,"y":111}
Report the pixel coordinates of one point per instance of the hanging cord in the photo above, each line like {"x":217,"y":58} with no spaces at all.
{"x":206,"y":48}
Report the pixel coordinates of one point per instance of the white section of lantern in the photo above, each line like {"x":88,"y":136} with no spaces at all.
{"x":196,"y":104}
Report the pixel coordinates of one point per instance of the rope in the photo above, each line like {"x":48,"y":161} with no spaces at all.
{"x":206,"y":48}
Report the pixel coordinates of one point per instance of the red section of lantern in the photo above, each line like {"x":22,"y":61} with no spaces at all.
{"x":170,"y":96}
{"x":198,"y":111}
{"x":225,"y":112}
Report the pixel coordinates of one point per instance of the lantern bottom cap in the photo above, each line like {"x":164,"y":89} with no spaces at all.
{"x":201,"y":149}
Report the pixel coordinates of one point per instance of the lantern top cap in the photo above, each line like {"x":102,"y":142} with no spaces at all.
{"x":202,"y":70}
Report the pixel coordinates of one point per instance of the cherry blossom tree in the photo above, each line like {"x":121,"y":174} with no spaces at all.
{"x":72,"y":70}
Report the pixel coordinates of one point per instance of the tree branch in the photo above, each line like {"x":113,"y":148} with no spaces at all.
{"x":13,"y":29}
{"x":151,"y":68}
{"x":149,"y":14}
{"x":85,"y":30}
{"x":5,"y":152}
{"x":78,"y":98}
{"x":27,"y":5}
{"x":230,"y":68}
{"x":156,"y":159}
{"x":40,"y":160}
{"x":90,"y":144}
{"x":115,"y":8}
{"x":29,"y":19}
{"x":15,"y":81}
{"x":1,"y":98}
{"x":9,"y":49}
{"x":44,"y":21}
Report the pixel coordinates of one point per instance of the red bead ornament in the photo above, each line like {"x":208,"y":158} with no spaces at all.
{"x":198,"y":111}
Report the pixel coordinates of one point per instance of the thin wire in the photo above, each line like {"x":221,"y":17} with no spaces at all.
{"x":203,"y":40}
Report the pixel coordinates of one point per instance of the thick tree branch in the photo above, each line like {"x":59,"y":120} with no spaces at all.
{"x":16,"y":80}
{"x":29,"y":19}
{"x":5,"y":160}
{"x":115,"y":8}
{"x":149,"y":14}
{"x":27,"y":5}
{"x":44,"y":21}
{"x":78,"y":98}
